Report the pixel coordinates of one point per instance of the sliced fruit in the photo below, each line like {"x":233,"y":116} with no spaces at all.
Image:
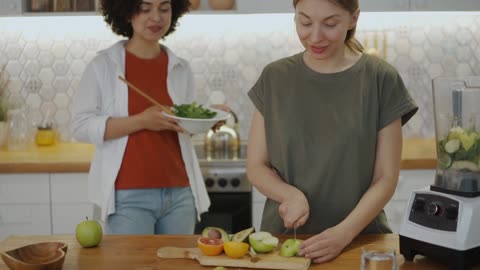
{"x":452,"y":146}
{"x":235,"y":250}
{"x":467,"y":141}
{"x":290,"y":247}
{"x":242,"y":236}
{"x":216,"y":233}
{"x":465,"y":165}
{"x":444,"y":161}
{"x":263,"y":242}
{"x":455,"y":132}
{"x":210,"y":246}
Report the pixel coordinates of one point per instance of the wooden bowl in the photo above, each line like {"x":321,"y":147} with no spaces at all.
{"x":41,"y":256}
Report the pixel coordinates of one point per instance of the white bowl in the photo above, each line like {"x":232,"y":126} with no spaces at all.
{"x":195,"y":126}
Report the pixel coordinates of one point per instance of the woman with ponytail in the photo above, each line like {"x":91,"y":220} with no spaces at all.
{"x":326,"y":138}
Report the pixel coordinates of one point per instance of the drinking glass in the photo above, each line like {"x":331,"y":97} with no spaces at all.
{"x":378,"y":257}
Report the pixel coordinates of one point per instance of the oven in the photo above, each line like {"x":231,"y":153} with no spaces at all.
{"x":230,"y":195}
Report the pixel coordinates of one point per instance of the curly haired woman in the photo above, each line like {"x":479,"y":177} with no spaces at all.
{"x":144,"y":175}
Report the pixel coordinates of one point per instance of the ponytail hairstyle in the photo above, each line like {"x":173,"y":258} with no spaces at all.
{"x":351,"y":6}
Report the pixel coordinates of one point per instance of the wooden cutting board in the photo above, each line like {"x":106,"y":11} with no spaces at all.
{"x":271,"y":260}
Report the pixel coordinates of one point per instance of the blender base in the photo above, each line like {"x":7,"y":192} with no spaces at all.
{"x":455,"y":259}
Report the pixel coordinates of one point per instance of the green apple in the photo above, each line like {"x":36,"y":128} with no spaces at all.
{"x":262,"y":242}
{"x":290,"y":247}
{"x":89,"y":233}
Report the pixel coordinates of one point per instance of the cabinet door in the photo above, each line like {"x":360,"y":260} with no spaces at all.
{"x":444,"y":5}
{"x":24,"y":219}
{"x":264,"y":6}
{"x":10,"y":7}
{"x":24,"y":204}
{"x":383,"y":5}
{"x":24,"y":188}
{"x":70,"y":203}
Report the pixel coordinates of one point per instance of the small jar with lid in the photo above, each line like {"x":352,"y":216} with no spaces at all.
{"x":45,"y":135}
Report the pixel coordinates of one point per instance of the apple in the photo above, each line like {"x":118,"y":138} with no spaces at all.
{"x":262,"y":242}
{"x":290,"y":247}
{"x":89,"y":233}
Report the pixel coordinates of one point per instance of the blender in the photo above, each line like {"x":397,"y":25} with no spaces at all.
{"x":442,"y":221}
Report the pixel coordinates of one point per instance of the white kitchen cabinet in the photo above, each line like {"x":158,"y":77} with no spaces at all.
{"x":286,"y":6}
{"x":382,"y":5}
{"x":444,"y":5}
{"x":24,"y":204}
{"x":70,"y":203}
{"x":19,"y":7}
{"x":264,"y":6}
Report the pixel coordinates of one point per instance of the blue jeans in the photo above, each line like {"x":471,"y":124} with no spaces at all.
{"x":153,"y":211}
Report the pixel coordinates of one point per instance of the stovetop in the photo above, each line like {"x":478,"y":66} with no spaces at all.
{"x":224,"y":172}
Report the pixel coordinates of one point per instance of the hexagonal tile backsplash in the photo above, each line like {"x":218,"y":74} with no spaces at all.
{"x":45,"y":57}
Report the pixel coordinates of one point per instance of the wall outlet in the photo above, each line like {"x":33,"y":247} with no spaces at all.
{"x":33,"y":85}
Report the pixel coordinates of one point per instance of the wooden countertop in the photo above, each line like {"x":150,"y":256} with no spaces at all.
{"x":419,"y":153}
{"x":60,"y":157}
{"x":76,"y":157}
{"x":139,"y":253}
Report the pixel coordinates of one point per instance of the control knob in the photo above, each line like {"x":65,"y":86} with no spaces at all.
{"x":209,"y":182}
{"x":433,"y":209}
{"x":419,"y":205}
{"x":451,"y":212}
{"x":222,"y":182}
{"x":235,"y":182}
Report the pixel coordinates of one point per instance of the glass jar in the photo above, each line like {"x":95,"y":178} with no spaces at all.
{"x":45,"y":136}
{"x":17,"y":138}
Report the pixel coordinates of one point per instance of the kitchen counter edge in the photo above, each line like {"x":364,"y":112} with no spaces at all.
{"x":417,"y":154}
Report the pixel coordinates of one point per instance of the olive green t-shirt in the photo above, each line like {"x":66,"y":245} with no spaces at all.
{"x":321,"y":132}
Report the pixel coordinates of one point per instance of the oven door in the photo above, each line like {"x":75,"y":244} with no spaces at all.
{"x":231,"y":211}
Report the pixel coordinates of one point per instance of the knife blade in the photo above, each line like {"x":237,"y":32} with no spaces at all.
{"x":295,"y":232}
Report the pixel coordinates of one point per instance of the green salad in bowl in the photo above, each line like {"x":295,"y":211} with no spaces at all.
{"x":193,"y":111}
{"x":195,"y":118}
{"x":460,"y":149}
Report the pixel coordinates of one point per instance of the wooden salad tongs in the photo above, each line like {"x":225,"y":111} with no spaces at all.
{"x":141,"y":93}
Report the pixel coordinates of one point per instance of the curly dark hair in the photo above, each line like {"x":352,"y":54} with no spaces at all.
{"x":117,"y":13}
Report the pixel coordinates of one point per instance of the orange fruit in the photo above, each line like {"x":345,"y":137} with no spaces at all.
{"x":210,"y":246}
{"x":235,"y":249}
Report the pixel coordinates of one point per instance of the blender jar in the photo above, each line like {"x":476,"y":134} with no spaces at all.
{"x":457,"y":127}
